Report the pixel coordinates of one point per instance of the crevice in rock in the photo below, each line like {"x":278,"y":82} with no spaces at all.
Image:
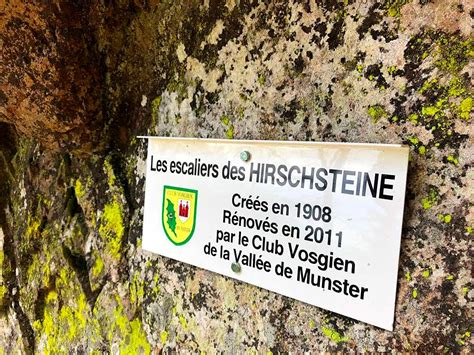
{"x":13,"y":286}
{"x":7,"y":150}
{"x":74,"y":214}
{"x":40,"y":302}
{"x":71,"y":205}
{"x":119,"y":171}
{"x":78,"y":263}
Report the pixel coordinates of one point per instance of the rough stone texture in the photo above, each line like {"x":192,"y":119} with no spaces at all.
{"x":78,"y":83}
{"x":50,"y":84}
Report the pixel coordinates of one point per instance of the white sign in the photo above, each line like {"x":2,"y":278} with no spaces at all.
{"x":318,"y":222}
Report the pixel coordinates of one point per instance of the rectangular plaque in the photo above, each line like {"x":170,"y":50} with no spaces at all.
{"x":318,"y":222}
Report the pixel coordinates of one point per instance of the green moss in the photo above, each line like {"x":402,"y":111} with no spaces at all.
{"x":312,"y":324}
{"x":46,"y":272}
{"x":376,"y":112}
{"x":230,"y":132}
{"x":425,"y":273}
{"x":121,"y":321}
{"x":225,"y":120}
{"x":74,"y":318}
{"x":413,"y":118}
{"x":111,"y":228}
{"x":464,"y":337}
{"x":422,"y":150}
{"x":455,"y":88}
{"x":79,"y":189}
{"x":443,"y":103}
{"x":261,"y":79}
{"x":408,"y":276}
{"x":391,"y":69}
{"x":67,"y":325}
{"x":163,"y":337}
{"x":414,"y":293}
{"x":183,"y":322}
{"x":98,"y":266}
{"x":450,"y":277}
{"x":63,"y":279}
{"x":230,"y":128}
{"x":133,"y":338}
{"x":394,"y":7}
{"x":429,"y":110}
{"x":39,"y":270}
{"x":156,"y":287}
{"x":333,"y":335}
{"x":136,"y":289}
{"x":429,"y":85}
{"x":447,"y":218}
{"x":47,"y":327}
{"x":136,"y":340}
{"x":430,"y":200}
{"x":452,"y":159}
{"x":465,"y":108}
{"x":3,"y":292}
{"x":468,"y":230}
{"x":32,"y":268}
{"x":453,"y":53}
{"x":33,"y":224}
{"x":52,"y":296}
{"x":110,"y":173}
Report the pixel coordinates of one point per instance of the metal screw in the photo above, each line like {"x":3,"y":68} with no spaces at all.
{"x":235,"y":267}
{"x":245,"y":155}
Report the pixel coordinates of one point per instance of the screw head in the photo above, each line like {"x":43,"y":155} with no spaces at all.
{"x":235,"y":267}
{"x":245,"y":155}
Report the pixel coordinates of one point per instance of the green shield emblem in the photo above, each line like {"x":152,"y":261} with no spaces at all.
{"x":179,"y":213}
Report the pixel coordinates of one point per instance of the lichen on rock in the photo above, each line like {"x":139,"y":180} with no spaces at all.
{"x":80,"y":82}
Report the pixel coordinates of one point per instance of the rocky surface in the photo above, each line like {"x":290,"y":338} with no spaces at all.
{"x":79,"y":82}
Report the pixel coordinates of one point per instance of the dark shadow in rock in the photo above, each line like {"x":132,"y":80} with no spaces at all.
{"x":40,"y":301}
{"x":28,"y":335}
{"x":79,"y":265}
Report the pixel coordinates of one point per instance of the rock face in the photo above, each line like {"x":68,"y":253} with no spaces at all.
{"x":79,"y":82}
{"x":50,"y":73}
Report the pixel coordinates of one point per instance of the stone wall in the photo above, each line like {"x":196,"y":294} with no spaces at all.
{"x":79,"y":82}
